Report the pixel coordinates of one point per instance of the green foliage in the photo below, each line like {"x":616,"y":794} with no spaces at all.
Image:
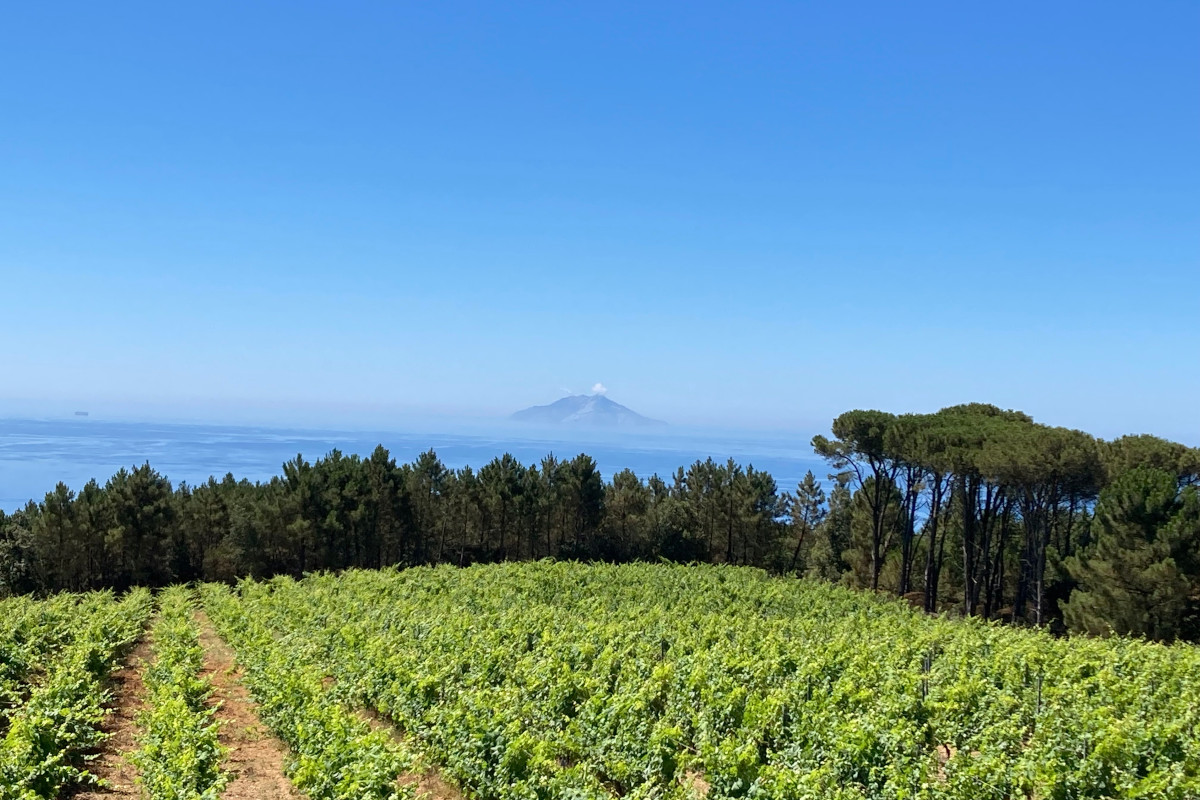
{"x":973,"y":507}
{"x":1141,"y":574}
{"x":335,"y":755}
{"x":807,"y":511}
{"x":1131,"y":452}
{"x":831,"y":539}
{"x":179,"y":756}
{"x":32,"y":632}
{"x":561,"y":680}
{"x":858,"y":554}
{"x":48,"y":737}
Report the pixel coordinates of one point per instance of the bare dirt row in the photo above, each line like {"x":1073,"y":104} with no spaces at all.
{"x":111,"y":765}
{"x":256,"y":758}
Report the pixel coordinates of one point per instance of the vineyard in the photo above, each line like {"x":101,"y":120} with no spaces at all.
{"x":561,"y":680}
{"x":51,"y":720}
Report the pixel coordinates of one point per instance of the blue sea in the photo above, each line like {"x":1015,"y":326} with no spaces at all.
{"x":37,"y":454}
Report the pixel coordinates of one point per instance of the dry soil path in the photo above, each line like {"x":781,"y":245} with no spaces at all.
{"x":128,"y":699}
{"x":256,"y":758}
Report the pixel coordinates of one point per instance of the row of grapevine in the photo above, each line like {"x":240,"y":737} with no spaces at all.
{"x":179,"y":756}
{"x":44,"y":748}
{"x":31,"y":632}
{"x":565,"y":680}
{"x":335,"y":754}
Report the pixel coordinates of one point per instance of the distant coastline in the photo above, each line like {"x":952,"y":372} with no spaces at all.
{"x":36,"y":454}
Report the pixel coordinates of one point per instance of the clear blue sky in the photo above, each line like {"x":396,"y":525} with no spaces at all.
{"x":742,"y":214}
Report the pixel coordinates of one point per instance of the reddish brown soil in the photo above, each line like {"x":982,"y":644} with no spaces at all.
{"x":431,"y":785}
{"x":694,"y":781}
{"x":429,"y":782}
{"x":111,"y":765}
{"x":256,"y":758}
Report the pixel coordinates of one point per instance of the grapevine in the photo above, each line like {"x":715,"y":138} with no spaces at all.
{"x":45,"y":746}
{"x":569,"y":680}
{"x":335,"y":754}
{"x":179,"y":757}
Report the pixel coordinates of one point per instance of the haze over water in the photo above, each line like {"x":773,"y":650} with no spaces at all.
{"x":36,"y":454}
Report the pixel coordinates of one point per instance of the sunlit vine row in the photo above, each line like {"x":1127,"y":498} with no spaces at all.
{"x":179,"y":755}
{"x":336,"y":755}
{"x":49,"y":736}
{"x":565,"y":680}
{"x":31,"y":632}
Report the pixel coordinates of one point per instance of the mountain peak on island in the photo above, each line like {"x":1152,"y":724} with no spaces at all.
{"x":586,"y":411}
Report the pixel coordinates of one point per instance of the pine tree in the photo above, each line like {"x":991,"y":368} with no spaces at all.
{"x":1141,"y":573}
{"x":831,"y":538}
{"x":807,"y":511}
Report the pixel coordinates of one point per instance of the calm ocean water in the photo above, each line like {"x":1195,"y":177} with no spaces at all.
{"x":37,"y":454}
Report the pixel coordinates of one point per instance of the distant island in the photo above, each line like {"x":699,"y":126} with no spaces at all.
{"x":586,"y":411}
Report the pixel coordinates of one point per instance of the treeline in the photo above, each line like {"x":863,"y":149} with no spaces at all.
{"x":972,"y":508}
{"x":345,"y":511}
{"x":1006,"y":518}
